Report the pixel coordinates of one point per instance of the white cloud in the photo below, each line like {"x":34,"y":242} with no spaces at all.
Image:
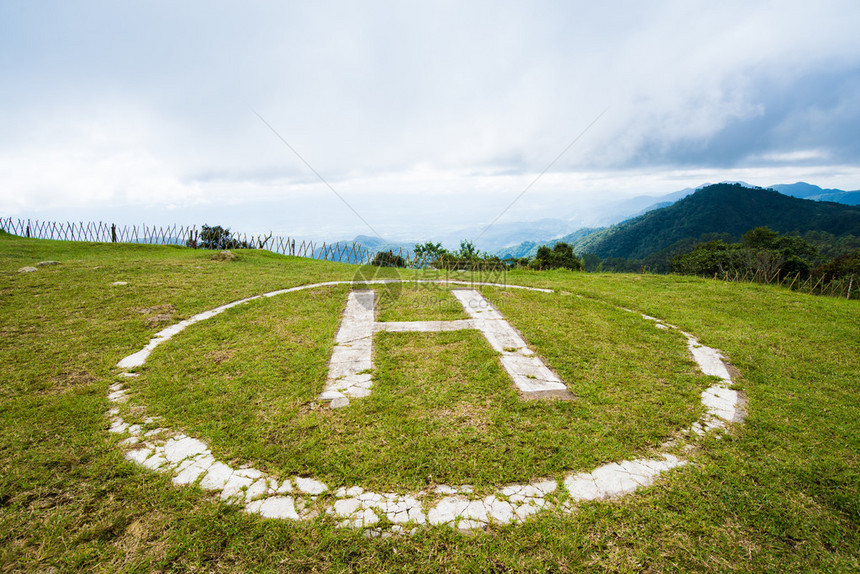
{"x":423,"y":116}
{"x":793,"y":157}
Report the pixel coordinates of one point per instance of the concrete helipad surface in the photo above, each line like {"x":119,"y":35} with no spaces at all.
{"x":190,"y":461}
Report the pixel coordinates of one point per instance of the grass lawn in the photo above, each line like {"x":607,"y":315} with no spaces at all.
{"x":781,"y":492}
{"x":442,"y":409}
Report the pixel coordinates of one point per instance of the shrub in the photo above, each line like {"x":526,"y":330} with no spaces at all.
{"x":388,"y":259}
{"x":430,"y":252}
{"x":840,"y":267}
{"x":760,"y":251}
{"x":561,"y":256}
{"x":217,"y":237}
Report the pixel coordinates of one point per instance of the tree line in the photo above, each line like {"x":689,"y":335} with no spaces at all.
{"x":764,"y":252}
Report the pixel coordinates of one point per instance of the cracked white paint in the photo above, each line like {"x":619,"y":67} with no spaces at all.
{"x":190,"y":461}
{"x":528,"y":372}
{"x":353,"y":351}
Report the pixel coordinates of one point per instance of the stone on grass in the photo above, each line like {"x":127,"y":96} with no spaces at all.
{"x":276,"y":507}
{"x":216,"y":477}
{"x":339,"y":403}
{"x":499,"y":510}
{"x":233,"y":487}
{"x":582,"y":487}
{"x":525,"y":510}
{"x":226,"y":255}
{"x":310,"y":486}
{"x":193,"y":471}
{"x":447,"y":510}
{"x":257,"y":489}
{"x":178,"y":449}
{"x":139,"y":455}
{"x":155,"y":462}
{"x":27,"y":269}
{"x":346,"y":507}
{"x":118,"y":426}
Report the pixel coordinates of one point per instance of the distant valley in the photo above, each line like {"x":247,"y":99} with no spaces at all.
{"x":639,"y":227}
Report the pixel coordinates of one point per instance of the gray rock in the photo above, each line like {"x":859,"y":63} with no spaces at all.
{"x":224,"y":256}
{"x":339,"y":403}
{"x":45,"y":263}
{"x":27,"y":269}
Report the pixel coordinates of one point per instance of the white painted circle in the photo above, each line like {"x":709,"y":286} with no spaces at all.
{"x":190,"y":461}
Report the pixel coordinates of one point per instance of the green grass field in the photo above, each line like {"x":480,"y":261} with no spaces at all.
{"x":780,"y":492}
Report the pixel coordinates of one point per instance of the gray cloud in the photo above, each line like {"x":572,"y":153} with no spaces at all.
{"x":405,"y":105}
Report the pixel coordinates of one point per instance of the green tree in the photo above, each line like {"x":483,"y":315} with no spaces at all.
{"x":560,"y":256}
{"x":761,"y":252}
{"x":468,"y":251}
{"x":759,"y":238}
{"x":711,"y":258}
{"x":591,"y":262}
{"x":217,"y":237}
{"x":388,"y":259}
{"x":844,"y":266}
{"x":429,"y":252}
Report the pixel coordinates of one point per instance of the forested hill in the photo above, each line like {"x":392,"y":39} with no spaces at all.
{"x":722,"y":208}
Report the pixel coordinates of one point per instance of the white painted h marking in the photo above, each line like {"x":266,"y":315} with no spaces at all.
{"x":351,"y":359}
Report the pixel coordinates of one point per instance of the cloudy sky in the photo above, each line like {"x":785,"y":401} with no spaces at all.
{"x":421,"y":116}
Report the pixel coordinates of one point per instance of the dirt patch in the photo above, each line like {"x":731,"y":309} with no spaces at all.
{"x":158,"y":315}
{"x":224,"y":256}
{"x":221,"y":355}
{"x":463,"y":416}
{"x":143,"y":536}
{"x":318,"y":293}
{"x":734,"y":372}
{"x":312,"y":415}
{"x":166,"y":308}
{"x":68,"y":380}
{"x":157,"y":320}
{"x":47,"y":500}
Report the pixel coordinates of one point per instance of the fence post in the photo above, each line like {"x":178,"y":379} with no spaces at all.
{"x":850,"y":283}
{"x":113,"y":232}
{"x":812,"y":291}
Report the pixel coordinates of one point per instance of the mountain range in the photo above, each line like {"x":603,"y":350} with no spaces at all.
{"x":815,"y":193}
{"x":728,"y":208}
{"x":521,"y":239}
{"x":723,"y":210}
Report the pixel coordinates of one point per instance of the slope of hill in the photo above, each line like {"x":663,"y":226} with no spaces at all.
{"x":720,"y":209}
{"x":846,"y":197}
{"x":529,"y":248}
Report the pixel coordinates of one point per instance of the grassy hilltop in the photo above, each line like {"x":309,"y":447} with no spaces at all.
{"x":780,"y":492}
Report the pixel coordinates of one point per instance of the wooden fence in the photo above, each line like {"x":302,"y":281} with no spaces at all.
{"x":846,"y":287}
{"x":353,"y":253}
{"x":101,"y":232}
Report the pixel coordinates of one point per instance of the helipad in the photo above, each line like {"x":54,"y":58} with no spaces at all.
{"x":190,"y":461}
